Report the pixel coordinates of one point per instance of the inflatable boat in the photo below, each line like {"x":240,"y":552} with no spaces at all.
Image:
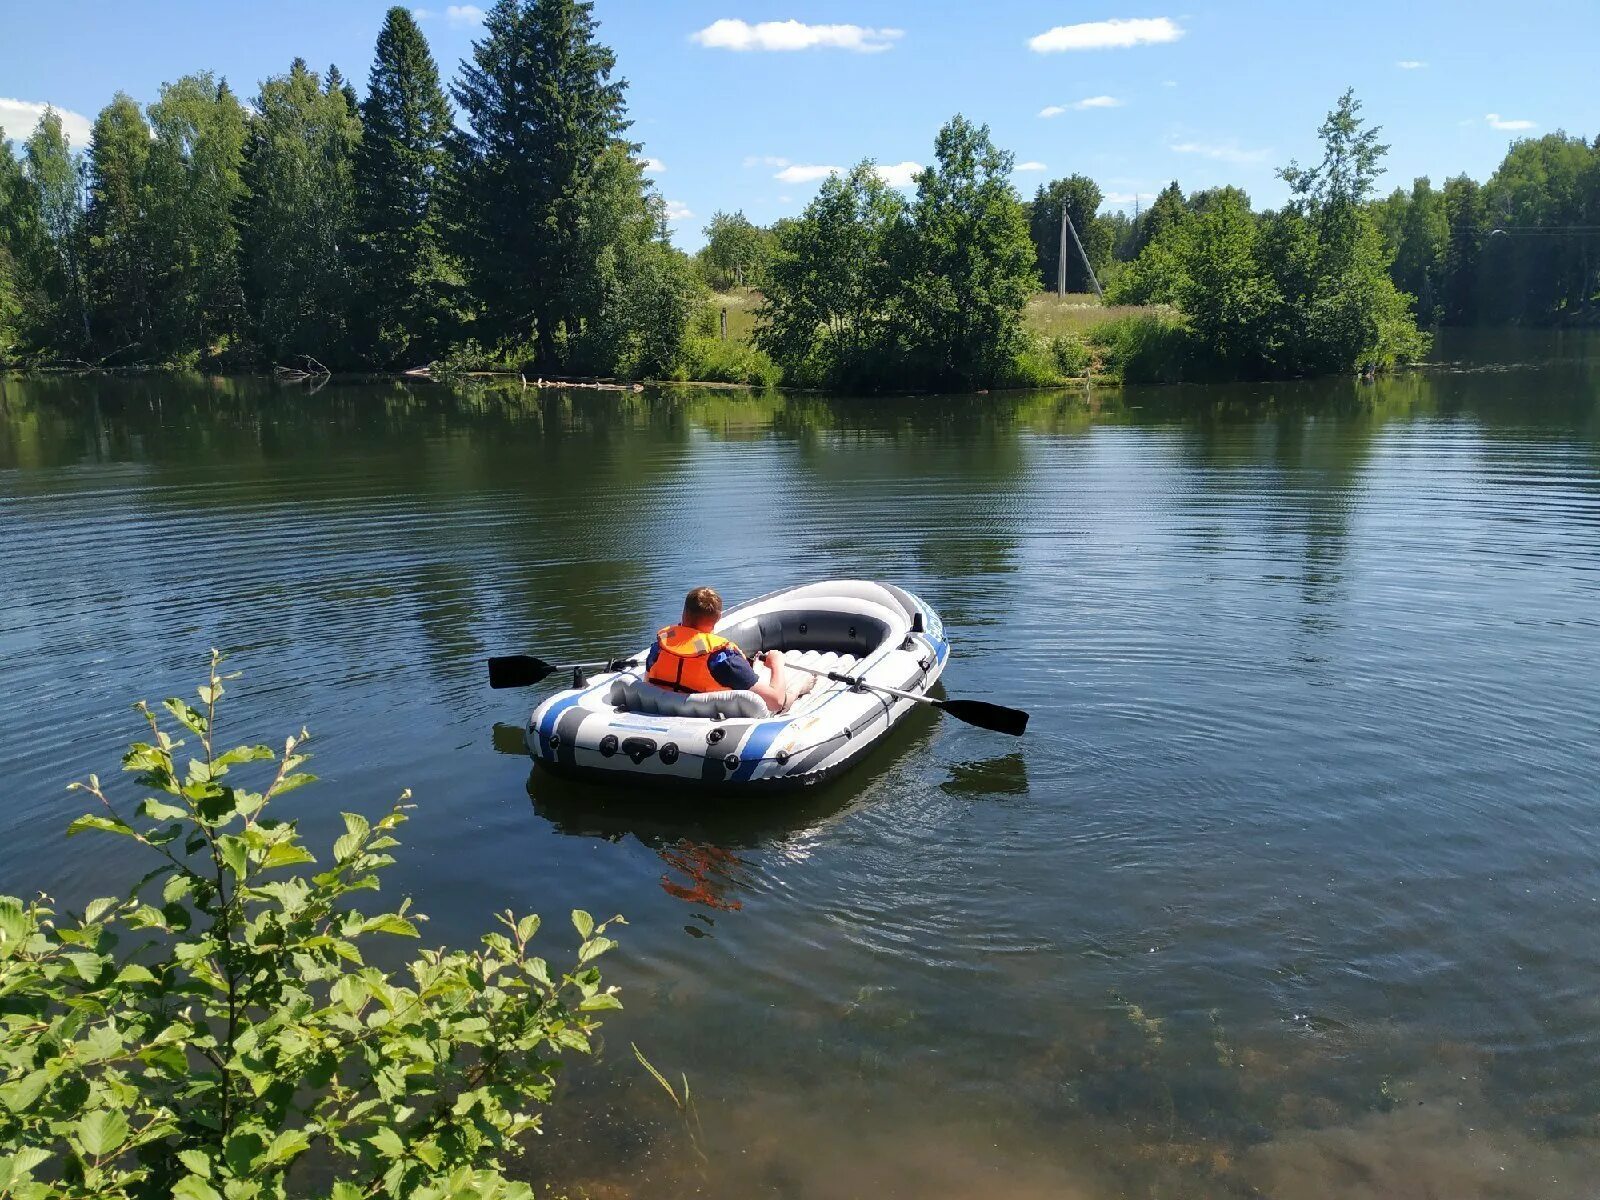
{"x":616,"y":725}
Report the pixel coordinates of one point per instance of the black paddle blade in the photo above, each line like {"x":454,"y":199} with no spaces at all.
{"x":987,"y":716}
{"x":518,"y":670}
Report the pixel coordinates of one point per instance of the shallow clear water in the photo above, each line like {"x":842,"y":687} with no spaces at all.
{"x":1292,"y":888}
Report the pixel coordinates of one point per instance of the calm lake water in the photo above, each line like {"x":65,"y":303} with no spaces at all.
{"x":1293,"y":887}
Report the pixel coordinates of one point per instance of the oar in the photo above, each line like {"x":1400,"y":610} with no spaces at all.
{"x":974,"y":712}
{"x":523,"y":670}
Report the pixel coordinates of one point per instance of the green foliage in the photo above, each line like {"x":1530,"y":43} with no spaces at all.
{"x":707,"y":358}
{"x":299,"y":215}
{"x":55,"y":173}
{"x":866,"y":292}
{"x":736,"y":252}
{"x":218,"y":1031}
{"x":543,"y":114}
{"x":401,"y":170}
{"x":194,"y":195}
{"x":118,"y":244}
{"x":1303,"y":291}
{"x":833,"y":287}
{"x":1168,"y":210}
{"x":969,"y":265}
{"x":1147,"y":348}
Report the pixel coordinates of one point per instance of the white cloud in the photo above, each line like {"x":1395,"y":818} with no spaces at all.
{"x":805,"y":173}
{"x":1051,"y":110}
{"x":18,"y":117}
{"x":1169,"y":83}
{"x":677,"y":210}
{"x":901,"y":174}
{"x":1119,"y":199}
{"x":1411,"y":64}
{"x":1117,"y":33}
{"x":1226,"y":152}
{"x":652,"y":166}
{"x":765,"y":160}
{"x":1097,"y":102}
{"x":733,"y":34}
{"x":1029,"y":166}
{"x":459,"y":15}
{"x":1496,"y":121}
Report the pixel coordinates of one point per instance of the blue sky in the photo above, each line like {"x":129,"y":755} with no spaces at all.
{"x":741,"y":103}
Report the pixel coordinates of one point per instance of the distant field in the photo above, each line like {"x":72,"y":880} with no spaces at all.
{"x":1046,"y":313}
{"x":741,"y":308}
{"x":1075,"y":313}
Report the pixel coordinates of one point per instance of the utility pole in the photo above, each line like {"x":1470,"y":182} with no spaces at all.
{"x":1066,"y":227}
{"x":1061,"y":257}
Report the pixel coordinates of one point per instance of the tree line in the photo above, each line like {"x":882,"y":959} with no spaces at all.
{"x":507,"y":220}
{"x":363,"y":233}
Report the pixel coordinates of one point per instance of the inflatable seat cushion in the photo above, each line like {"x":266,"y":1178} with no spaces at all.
{"x":639,"y":695}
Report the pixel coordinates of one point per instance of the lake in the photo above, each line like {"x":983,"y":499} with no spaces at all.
{"x":1292,"y":888}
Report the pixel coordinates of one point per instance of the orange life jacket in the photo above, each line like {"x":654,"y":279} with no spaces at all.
{"x":683,"y":659}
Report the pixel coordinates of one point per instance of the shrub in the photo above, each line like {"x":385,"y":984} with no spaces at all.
{"x":711,"y":360}
{"x":1153,"y":348}
{"x":244,"y":1034}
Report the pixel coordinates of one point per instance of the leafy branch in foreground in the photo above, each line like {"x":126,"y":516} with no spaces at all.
{"x":217,"y":1033}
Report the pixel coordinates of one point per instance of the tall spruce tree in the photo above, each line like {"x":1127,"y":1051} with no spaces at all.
{"x":118,"y":237}
{"x":401,"y":170}
{"x":542,"y":112}
{"x":298,"y":224}
{"x":195,"y":188}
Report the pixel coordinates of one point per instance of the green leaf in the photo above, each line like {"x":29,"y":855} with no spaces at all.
{"x":599,"y":1001}
{"x":390,"y":923}
{"x":286,"y":854}
{"x":192,"y":1187}
{"x":595,"y":948}
{"x":388,"y":1143}
{"x":527,"y":927}
{"x":346,"y":1191}
{"x":234,"y":853}
{"x":15,"y":925}
{"x":160,"y":810}
{"x":105,"y":824}
{"x":357,"y":824}
{"x":289,"y":782}
{"x":196,"y":1161}
{"x":97,"y":909}
{"x":24,"y":1161}
{"x":85,"y":964}
{"x":244,"y":754}
{"x":21,"y":1093}
{"x":101,"y":1132}
{"x":188,"y":716}
{"x":428,"y":1153}
{"x":134,"y":973}
{"x":287,"y":1144}
{"x":583,"y":923}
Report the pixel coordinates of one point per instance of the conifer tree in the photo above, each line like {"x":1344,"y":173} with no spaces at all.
{"x":543,"y":111}
{"x":401,"y":170}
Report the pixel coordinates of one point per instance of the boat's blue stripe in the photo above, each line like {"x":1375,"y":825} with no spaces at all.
{"x":547,"y":723}
{"x":755,"y":746}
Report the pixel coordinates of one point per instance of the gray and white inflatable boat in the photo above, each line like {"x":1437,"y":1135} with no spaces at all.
{"x":617,"y":725}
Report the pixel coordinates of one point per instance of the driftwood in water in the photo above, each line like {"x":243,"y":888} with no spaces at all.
{"x":311,"y":371}
{"x":433,"y":371}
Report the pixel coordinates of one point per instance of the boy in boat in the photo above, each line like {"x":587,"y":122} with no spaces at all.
{"x":689,"y":657}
